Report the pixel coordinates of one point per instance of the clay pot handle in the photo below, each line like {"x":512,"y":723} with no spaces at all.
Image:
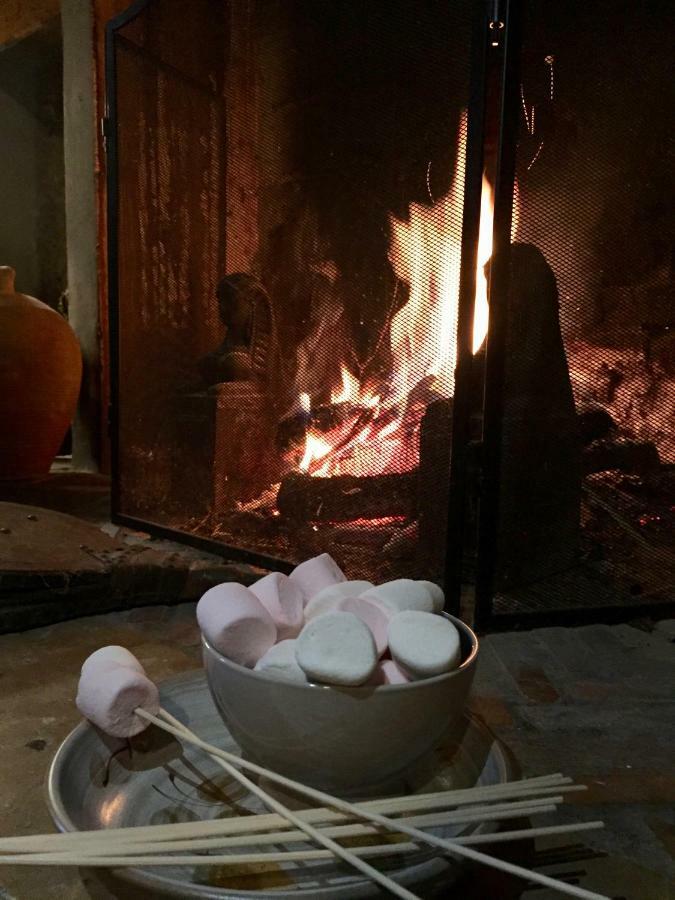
{"x":7,"y":275}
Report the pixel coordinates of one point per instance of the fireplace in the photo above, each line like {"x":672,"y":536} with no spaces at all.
{"x":389,"y":281}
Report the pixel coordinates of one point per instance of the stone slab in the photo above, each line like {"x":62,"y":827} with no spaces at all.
{"x":54,"y":566}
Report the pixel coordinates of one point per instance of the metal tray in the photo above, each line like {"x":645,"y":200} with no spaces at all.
{"x":95,"y":782}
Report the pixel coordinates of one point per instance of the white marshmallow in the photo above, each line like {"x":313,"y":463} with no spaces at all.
{"x":284,"y":601}
{"x":437,"y":595}
{"x":315,"y":574}
{"x":236,"y":623}
{"x":387,"y":672}
{"x":280,"y":662}
{"x":374,"y":616}
{"x":336,"y":648}
{"x":401,"y":594}
{"x":111,"y":657}
{"x":330,"y":597}
{"x":109,"y":697}
{"x":423,"y":644}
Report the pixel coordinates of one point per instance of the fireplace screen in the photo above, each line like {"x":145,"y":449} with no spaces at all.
{"x":586,"y":451}
{"x":290,"y":181}
{"x":303,"y":201}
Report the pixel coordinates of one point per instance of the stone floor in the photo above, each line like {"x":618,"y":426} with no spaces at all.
{"x":595,"y":702}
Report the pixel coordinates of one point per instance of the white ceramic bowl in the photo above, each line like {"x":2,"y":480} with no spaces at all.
{"x":345,"y":740}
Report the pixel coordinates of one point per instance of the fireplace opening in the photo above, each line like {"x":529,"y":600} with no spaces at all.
{"x":290,"y":311}
{"x":313,"y":347}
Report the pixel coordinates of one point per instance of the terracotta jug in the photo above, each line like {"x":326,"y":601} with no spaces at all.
{"x":40,"y":373}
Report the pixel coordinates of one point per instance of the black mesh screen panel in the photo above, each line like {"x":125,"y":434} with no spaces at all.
{"x":290,"y":183}
{"x":588,"y":439}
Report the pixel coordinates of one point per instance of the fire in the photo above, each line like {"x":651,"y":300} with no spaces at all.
{"x":315,"y":449}
{"x":380,"y":433}
{"x":350,"y":391}
{"x":480,"y":307}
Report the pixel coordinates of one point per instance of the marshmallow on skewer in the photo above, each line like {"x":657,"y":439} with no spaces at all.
{"x":236,"y":623}
{"x":401,"y":594}
{"x":284,"y":601}
{"x":330,"y":597}
{"x":111,"y":657}
{"x":437,"y":595}
{"x":374,"y":616}
{"x":336,"y":648}
{"x":316,"y":573}
{"x":424,"y":645}
{"x":387,"y":672}
{"x":108,"y":697}
{"x":280,"y":662}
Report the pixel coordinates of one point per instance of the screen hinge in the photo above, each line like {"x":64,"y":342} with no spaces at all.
{"x":496,"y":22}
{"x":104,"y":126}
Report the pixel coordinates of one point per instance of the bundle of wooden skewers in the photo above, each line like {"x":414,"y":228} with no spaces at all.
{"x":398,"y":821}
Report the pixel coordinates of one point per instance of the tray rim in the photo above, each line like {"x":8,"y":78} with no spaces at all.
{"x":149,"y":880}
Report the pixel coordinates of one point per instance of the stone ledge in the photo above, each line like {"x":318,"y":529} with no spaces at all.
{"x":54,"y":567}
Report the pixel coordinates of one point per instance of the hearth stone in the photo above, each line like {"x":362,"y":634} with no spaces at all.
{"x":55,"y":566}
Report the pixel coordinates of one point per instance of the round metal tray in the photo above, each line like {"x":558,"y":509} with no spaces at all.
{"x":95,"y":782}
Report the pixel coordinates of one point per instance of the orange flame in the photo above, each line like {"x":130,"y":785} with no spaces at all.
{"x":481,"y":309}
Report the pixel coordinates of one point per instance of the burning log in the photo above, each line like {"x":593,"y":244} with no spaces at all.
{"x":344,"y":498}
{"x":620,"y":453}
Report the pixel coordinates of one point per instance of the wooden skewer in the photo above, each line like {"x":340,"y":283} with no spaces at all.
{"x":76,"y":859}
{"x":428,"y":820}
{"x":525,"y":788}
{"x":360,"y":812}
{"x":272,"y":803}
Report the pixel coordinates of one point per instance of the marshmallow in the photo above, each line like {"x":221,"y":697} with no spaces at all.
{"x":336,"y":648}
{"x":330,"y":597}
{"x":437,"y":595}
{"x":280,"y":662}
{"x":401,"y":594}
{"x":109,"y":697}
{"x":387,"y":672}
{"x":424,"y":645}
{"x":315,"y":574}
{"x":374,"y":616}
{"x":111,"y":657}
{"x":284,"y":601}
{"x":236,"y":623}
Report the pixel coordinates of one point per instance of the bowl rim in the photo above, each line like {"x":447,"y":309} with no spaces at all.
{"x":362,"y":689}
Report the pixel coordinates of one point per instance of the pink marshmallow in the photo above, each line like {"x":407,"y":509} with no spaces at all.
{"x":284,"y":601}
{"x":374,"y":616}
{"x":387,"y":672}
{"x":111,"y":657}
{"x":315,"y":574}
{"x":236,"y":624}
{"x":329,"y":598}
{"x":109,"y":698}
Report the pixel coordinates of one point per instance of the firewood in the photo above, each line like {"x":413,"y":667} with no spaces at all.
{"x":344,"y":498}
{"x":620,"y":453}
